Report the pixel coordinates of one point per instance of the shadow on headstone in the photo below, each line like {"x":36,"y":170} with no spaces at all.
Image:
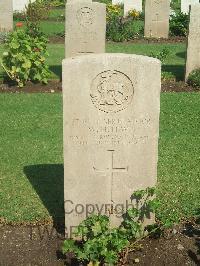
{"x":48,"y":182}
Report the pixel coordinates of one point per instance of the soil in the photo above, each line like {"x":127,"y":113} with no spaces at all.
{"x":51,"y":87}
{"x":56,"y":87}
{"x":177,"y":39}
{"x":41,"y":245}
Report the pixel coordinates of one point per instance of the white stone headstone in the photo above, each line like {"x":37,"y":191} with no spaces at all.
{"x":117,"y":2}
{"x":19,"y":5}
{"x":85,"y":28}
{"x":193,"y":45}
{"x":157,"y":18}
{"x":132,"y":5}
{"x":185,"y":5}
{"x":6,"y":15}
{"x":111,"y":128}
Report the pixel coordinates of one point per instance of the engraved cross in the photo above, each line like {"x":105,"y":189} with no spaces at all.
{"x":157,"y":18}
{"x":111,"y":170}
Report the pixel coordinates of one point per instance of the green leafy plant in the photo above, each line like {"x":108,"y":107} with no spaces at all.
{"x":168,"y":76}
{"x":100,"y":243}
{"x":162,"y":55}
{"x":194,"y":78}
{"x":37,"y":10}
{"x":179,"y":24}
{"x":118,"y":27}
{"x":25,"y":56}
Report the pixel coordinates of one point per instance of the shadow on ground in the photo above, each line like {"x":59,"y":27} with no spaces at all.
{"x":177,"y":70}
{"x":57,"y":70}
{"x":48,"y":182}
{"x":181,"y":54}
{"x":193,"y":230}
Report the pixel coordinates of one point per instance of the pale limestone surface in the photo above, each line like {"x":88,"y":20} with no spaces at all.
{"x":157,"y":18}
{"x":132,"y":4}
{"x":19,"y":5}
{"x":85,"y":28}
{"x":111,"y":105}
{"x":75,"y":1}
{"x":185,"y":5}
{"x":6,"y":15}
{"x":193,"y":45}
{"x":116,"y":2}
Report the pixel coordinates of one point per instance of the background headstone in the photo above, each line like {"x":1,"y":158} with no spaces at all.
{"x":157,"y":18}
{"x":6,"y":15}
{"x":116,"y":2}
{"x":75,"y":1}
{"x":111,"y":127}
{"x":185,"y":5}
{"x":132,"y":4}
{"x":19,"y":5}
{"x":193,"y":45}
{"x":85,"y":28}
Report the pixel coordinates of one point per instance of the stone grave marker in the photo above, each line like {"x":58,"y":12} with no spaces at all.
{"x":132,"y":4}
{"x":6,"y":15}
{"x":193,"y":44}
{"x":157,"y":18}
{"x":185,"y":5}
{"x":85,"y":28}
{"x":19,"y":5}
{"x":117,"y":2}
{"x":111,"y":128}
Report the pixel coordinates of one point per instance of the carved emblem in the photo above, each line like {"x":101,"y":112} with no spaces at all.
{"x":157,"y":2}
{"x":111,"y":91}
{"x":85,"y":17}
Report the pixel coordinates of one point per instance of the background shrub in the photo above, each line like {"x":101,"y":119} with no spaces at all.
{"x":25,"y":56}
{"x":118,"y":27}
{"x":194,"y":78}
{"x":179,"y":24}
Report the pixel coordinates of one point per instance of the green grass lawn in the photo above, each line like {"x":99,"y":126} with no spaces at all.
{"x":31,"y":171}
{"x":174,"y":63}
{"x":57,"y":13}
{"x":52,"y":28}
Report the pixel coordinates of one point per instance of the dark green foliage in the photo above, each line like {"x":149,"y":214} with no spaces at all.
{"x":162,"y":55}
{"x":119,"y":28}
{"x":102,"y":243}
{"x":194,"y":78}
{"x":179,"y":24}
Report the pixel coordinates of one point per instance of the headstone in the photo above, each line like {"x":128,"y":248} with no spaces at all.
{"x":193,"y":45}
{"x":6,"y":15}
{"x":85,"y":28}
{"x":117,"y":2}
{"x":111,"y":127}
{"x":132,"y":5}
{"x":157,"y":18}
{"x":75,"y":1}
{"x":185,"y":5}
{"x":19,"y":5}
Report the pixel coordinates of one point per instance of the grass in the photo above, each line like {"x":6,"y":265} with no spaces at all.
{"x":174,"y":63}
{"x":31,"y":171}
{"x":52,"y":28}
{"x":30,"y":136}
{"x":57,"y":13}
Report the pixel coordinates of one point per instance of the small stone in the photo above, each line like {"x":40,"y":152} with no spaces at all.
{"x":137,"y":260}
{"x":175,"y":231}
{"x":52,"y":91}
{"x":180,"y":247}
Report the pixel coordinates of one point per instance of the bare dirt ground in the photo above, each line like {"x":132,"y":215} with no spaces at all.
{"x":41,"y":245}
